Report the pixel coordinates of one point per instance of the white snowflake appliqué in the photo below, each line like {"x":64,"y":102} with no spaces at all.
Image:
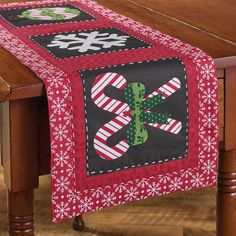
{"x":88,"y":41}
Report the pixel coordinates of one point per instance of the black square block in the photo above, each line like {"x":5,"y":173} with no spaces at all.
{"x":51,"y":14}
{"x":144,"y":138}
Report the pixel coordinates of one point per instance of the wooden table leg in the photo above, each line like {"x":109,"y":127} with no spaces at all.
{"x":21,"y":212}
{"x":226,"y":195}
{"x":78,"y":223}
{"x":20,"y":162}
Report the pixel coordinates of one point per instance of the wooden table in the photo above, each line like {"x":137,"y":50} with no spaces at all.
{"x":25,"y":130}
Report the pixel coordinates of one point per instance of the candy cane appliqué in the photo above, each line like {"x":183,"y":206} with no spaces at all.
{"x":112,"y":105}
{"x":134,"y":114}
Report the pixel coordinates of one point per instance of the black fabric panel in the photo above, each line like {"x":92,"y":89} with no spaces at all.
{"x":161,"y":145}
{"x":60,"y":53}
{"x":11,"y":16}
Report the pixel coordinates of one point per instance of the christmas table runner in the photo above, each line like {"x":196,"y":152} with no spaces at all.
{"x":133,"y":112}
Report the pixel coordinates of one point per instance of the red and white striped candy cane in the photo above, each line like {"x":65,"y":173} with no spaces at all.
{"x":103,"y":101}
{"x":112,"y":105}
{"x":167,"y":90}
{"x":106,"y":131}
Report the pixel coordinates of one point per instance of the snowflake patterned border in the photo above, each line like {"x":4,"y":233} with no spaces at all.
{"x":137,"y":165}
{"x":201,"y":176}
{"x":19,"y":5}
{"x":89,"y":54}
{"x":197,"y":177}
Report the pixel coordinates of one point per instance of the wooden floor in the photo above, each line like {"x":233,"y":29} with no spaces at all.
{"x":182,"y":214}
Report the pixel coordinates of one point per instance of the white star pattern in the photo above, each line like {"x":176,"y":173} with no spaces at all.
{"x":131,"y":194}
{"x":59,"y":106}
{"x":85,"y":204}
{"x":62,"y":184}
{"x":153,"y":189}
{"x":61,"y":158}
{"x":209,"y":143}
{"x":120,"y":188}
{"x":69,"y":170}
{"x":175,"y":184}
{"x":108,"y":199}
{"x":68,"y":117}
{"x":207,"y":71}
{"x":55,"y":82}
{"x":143,"y":183}
{"x":165,"y":178}
{"x":209,"y":96}
{"x":197,"y":180}
{"x":62,"y":210}
{"x":60,"y":132}
{"x":209,"y":166}
{"x":73,"y":196}
{"x":97,"y":192}
{"x":210,"y":120}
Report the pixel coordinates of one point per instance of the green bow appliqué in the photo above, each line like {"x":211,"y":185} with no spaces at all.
{"x":140,"y":111}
